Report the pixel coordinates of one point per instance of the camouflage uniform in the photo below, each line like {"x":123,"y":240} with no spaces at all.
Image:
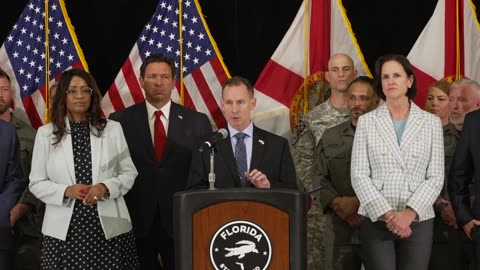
{"x":28,"y":228}
{"x":451,"y":249}
{"x":319,"y":232}
{"x":331,"y":169}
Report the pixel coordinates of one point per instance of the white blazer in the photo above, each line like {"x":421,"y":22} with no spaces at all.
{"x":388,"y":176}
{"x":53,"y":171}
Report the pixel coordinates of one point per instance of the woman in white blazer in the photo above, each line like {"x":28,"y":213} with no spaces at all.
{"x":81,"y":169}
{"x":397,"y":172}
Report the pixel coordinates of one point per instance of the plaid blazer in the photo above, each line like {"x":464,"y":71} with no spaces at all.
{"x":388,"y":176}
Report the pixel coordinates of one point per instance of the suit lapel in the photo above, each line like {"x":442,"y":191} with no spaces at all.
{"x":176,"y":128}
{"x":143,"y":131}
{"x":258,"y":148}
{"x":96,"y":149}
{"x":414,"y":124}
{"x":67,"y":149}
{"x":385,"y":128}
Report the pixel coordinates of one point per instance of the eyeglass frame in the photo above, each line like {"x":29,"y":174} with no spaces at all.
{"x":83,"y":92}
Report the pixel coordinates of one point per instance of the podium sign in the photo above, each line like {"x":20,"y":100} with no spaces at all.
{"x":243,"y":228}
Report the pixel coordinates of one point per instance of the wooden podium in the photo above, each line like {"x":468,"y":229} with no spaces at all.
{"x":240,"y":228}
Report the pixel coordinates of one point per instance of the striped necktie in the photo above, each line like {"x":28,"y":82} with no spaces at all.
{"x":241,"y":158}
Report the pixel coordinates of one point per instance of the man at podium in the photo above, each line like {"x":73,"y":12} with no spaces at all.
{"x":248,"y":156}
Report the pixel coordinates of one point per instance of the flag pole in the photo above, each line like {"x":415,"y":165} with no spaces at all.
{"x":47,"y":67}
{"x":180,"y":23}
{"x":306,"y":57}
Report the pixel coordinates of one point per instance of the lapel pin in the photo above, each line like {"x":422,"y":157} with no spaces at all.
{"x":261,"y":141}
{"x":180,"y":116}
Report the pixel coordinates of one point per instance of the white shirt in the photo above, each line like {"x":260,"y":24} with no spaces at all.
{"x":151,"y":116}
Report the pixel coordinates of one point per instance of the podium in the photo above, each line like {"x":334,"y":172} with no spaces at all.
{"x":241,"y":229}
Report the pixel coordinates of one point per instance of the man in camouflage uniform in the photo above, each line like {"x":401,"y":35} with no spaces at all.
{"x":331,"y":169}
{"x":332,"y":112}
{"x":27,"y":214}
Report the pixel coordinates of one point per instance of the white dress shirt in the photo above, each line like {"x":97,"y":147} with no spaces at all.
{"x":151,"y":117}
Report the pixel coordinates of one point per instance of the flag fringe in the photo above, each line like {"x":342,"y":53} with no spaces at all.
{"x":354,"y":39}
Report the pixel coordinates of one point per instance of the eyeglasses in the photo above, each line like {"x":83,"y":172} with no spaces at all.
{"x":83,"y":92}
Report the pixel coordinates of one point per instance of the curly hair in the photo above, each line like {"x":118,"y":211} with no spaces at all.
{"x":59,"y":107}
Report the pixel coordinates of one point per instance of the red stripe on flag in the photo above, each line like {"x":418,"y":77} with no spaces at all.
{"x":218,"y":69}
{"x":42,"y":92}
{"x":450,"y":38}
{"x":32,"y":112}
{"x":132,"y":82}
{"x":320,"y":20}
{"x":423,"y":82}
{"x":208,"y":98}
{"x":274,"y":79}
{"x":222,"y":76}
{"x":462,"y":36}
{"x":78,"y":65}
{"x":187,"y":99}
{"x":115,"y":98}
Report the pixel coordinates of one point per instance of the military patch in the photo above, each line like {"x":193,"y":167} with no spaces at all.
{"x":241,"y":245}
{"x":316,"y":88}
{"x":297,"y":131}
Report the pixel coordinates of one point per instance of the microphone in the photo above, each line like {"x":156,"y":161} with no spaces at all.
{"x":219,"y":135}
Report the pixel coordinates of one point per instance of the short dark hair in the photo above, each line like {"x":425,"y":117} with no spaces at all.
{"x":3,"y":74}
{"x":363,"y":79}
{"x":236,"y":81}
{"x":158,"y":58}
{"x":402,"y":60}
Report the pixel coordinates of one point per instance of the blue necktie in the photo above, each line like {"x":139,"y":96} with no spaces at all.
{"x":241,"y":158}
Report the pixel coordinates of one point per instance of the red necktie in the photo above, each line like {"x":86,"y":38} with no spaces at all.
{"x":159,"y":136}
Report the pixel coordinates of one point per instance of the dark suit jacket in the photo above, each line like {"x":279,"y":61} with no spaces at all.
{"x":157,"y":181}
{"x":465,"y":167}
{"x":270,"y":154}
{"x":12,"y":181}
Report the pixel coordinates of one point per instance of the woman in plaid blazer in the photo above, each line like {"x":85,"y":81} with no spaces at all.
{"x":397,"y":172}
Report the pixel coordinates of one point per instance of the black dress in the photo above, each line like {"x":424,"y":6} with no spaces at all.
{"x":85,"y":246}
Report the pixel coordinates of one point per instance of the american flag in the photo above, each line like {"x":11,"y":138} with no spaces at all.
{"x":23,"y":55}
{"x":203,"y":68}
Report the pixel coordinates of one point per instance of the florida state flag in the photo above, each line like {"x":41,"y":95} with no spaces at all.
{"x":448,"y":47}
{"x":293,"y":80}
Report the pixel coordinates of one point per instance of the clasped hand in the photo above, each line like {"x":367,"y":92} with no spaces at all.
{"x":346,"y":208}
{"x":87,"y":193}
{"x":399,"y":222}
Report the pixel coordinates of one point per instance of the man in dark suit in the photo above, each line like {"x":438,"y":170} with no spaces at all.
{"x":160,"y":135}
{"x":465,"y":167}
{"x":267,"y":162}
{"x":12,"y":184}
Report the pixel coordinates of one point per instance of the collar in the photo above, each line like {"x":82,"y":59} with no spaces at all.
{"x":341,"y":111}
{"x":165,"y":110}
{"x":248,"y":130}
{"x":449,"y":129}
